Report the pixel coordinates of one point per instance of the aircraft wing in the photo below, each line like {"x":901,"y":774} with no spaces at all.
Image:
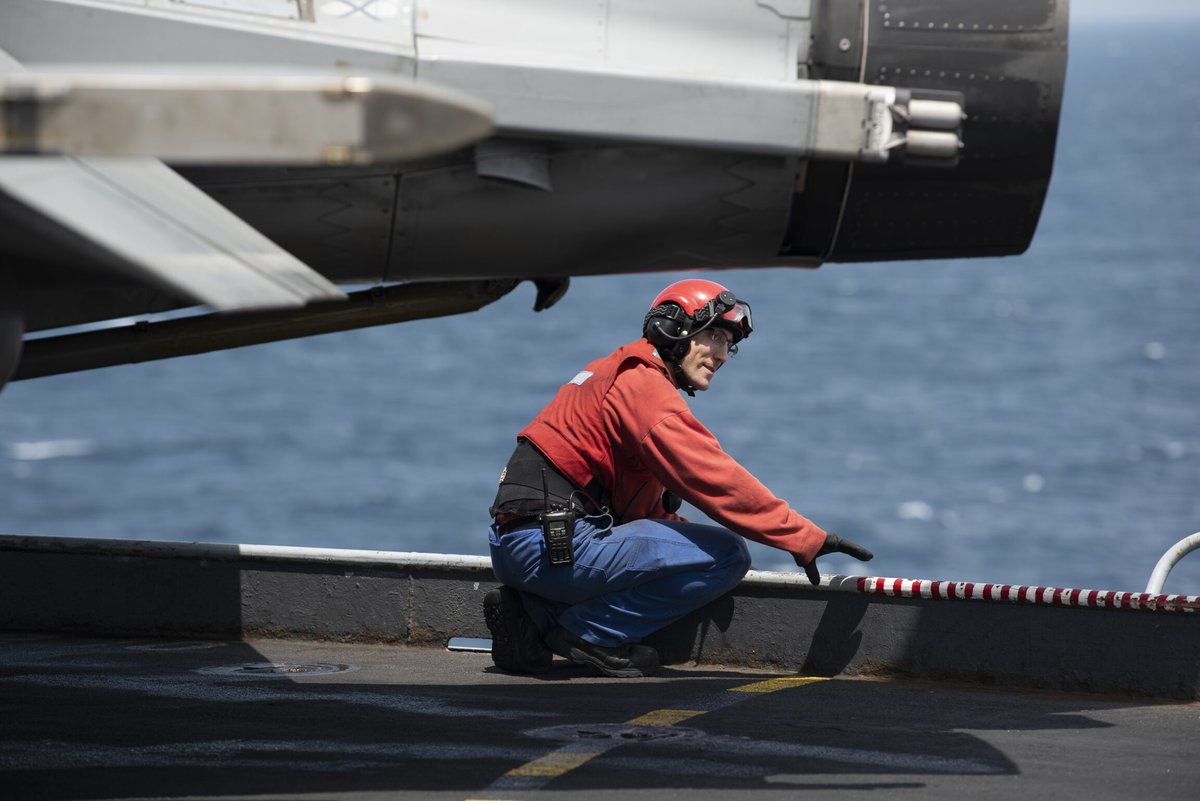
{"x":131,"y":213}
{"x":94,"y":225}
{"x":144,"y":220}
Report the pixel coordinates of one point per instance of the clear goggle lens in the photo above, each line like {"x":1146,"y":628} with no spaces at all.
{"x":740,"y":317}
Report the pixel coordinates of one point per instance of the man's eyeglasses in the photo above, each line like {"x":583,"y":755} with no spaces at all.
{"x":720,"y":337}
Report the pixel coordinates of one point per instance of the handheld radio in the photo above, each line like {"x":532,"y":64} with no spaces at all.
{"x":558,"y":529}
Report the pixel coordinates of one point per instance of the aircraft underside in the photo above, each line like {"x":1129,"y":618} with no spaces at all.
{"x":488,"y":144}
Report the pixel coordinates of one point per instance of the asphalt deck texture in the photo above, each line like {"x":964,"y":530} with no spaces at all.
{"x":103,"y":718}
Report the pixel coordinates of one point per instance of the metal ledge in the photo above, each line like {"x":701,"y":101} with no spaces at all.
{"x":772,"y":620}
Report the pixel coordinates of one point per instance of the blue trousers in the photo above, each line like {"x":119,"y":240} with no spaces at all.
{"x":627,"y":581}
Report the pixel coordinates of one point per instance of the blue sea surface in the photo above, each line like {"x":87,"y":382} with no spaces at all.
{"x":1031,"y":420}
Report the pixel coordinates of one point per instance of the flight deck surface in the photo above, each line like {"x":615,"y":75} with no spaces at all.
{"x":88,"y":718}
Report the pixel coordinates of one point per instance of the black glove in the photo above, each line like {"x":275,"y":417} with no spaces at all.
{"x":833,"y":544}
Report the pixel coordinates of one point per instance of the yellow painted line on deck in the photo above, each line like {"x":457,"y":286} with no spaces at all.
{"x":557,"y":763}
{"x":665,"y":717}
{"x":553,"y":764}
{"x":772,"y":685}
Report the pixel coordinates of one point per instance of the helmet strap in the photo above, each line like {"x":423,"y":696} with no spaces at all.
{"x":681,"y":380}
{"x":669,"y":329}
{"x":673,"y":356}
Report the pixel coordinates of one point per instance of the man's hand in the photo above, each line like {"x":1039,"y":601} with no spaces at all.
{"x":833,"y":544}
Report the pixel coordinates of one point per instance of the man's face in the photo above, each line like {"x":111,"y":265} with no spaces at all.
{"x":709,"y":350}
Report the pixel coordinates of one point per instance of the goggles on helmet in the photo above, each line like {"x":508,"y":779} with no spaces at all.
{"x":725,"y":310}
{"x":737,"y":320}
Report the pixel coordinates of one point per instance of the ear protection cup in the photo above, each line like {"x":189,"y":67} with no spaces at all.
{"x":667,"y":328}
{"x":665,"y":324}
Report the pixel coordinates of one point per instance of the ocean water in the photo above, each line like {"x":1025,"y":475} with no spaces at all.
{"x":1030,"y":420}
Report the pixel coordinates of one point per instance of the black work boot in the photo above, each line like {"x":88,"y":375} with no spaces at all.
{"x":516,"y":642}
{"x":628,"y":661}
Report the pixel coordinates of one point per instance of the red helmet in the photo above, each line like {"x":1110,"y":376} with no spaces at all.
{"x":686,"y":307}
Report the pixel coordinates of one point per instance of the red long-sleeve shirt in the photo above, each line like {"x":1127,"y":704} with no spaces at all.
{"x":623,"y":422}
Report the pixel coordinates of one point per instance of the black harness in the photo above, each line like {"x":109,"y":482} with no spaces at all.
{"x":522,"y":495}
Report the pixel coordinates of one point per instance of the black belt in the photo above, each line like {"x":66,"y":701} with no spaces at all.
{"x":517,"y":524}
